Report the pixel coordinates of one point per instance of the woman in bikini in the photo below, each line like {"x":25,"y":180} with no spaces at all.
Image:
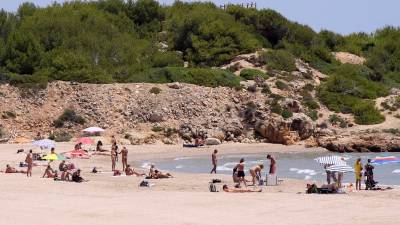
{"x":256,"y":173}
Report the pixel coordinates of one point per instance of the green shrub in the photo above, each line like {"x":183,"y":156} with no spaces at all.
{"x":313,"y":114}
{"x":198,"y":76}
{"x":2,"y":132}
{"x":286,"y":114}
{"x":8,"y":115}
{"x":250,"y":74}
{"x":366,"y":113}
{"x":164,"y":59}
{"x":279,"y":60}
{"x":69,"y":115}
{"x":281,"y":85}
{"x":155,"y":90}
{"x":276,"y":108}
{"x":62,"y":136}
{"x":334,"y":119}
{"x":157,"y":129}
{"x":265,"y":89}
{"x":311,"y":104}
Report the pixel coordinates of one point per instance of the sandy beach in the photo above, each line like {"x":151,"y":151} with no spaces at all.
{"x":184,"y":199}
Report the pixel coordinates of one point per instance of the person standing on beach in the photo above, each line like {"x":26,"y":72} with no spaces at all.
{"x":255,"y":172}
{"x":214,"y":161}
{"x":29,"y":161}
{"x":240,"y":172}
{"x":272,"y":166}
{"x":124,"y":155}
{"x":113,"y":153}
{"x":358,"y":171}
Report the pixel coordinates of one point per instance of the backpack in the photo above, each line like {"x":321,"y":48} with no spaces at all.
{"x":212,"y":187}
{"x":144,"y":184}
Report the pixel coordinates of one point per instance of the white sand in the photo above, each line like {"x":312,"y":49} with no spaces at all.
{"x":182,"y":200}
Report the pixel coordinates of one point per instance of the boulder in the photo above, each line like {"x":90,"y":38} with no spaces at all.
{"x":212,"y":141}
{"x":303,"y":125}
{"x":276,"y":132}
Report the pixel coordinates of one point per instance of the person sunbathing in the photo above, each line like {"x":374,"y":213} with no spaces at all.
{"x":225,"y":188}
{"x":324,"y":189}
{"x":160,"y":175}
{"x":10,"y":169}
{"x":129,"y":171}
{"x":49,"y":172}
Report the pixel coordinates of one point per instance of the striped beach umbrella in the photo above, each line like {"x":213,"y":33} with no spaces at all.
{"x":340,"y":168}
{"x":44,"y":143}
{"x":331,"y":160}
{"x":385,"y":160}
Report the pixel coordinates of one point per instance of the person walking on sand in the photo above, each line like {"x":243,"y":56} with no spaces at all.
{"x":124,"y":155}
{"x":255,"y":172}
{"x":240,"y":172}
{"x":29,"y":161}
{"x":272,"y":166}
{"x":358,"y":171}
{"x":214,"y":161}
{"x":113,"y":153}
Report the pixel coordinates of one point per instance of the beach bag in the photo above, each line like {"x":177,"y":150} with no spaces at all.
{"x":216,"y":181}
{"x":144,"y":184}
{"x":212,"y":187}
{"x":117,"y":173}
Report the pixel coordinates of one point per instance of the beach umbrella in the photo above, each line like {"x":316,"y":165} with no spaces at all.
{"x":93,"y":130}
{"x":330,"y":160}
{"x":385,"y":160}
{"x":53,"y":157}
{"x":77,"y":154}
{"x":340,"y":168}
{"x":44,"y":143}
{"x":85,"y":141}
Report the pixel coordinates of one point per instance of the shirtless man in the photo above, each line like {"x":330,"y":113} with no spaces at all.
{"x":124,"y":155}
{"x":214,"y":161}
{"x":240,"y":172}
{"x":10,"y":169}
{"x":272,"y":166}
{"x":29,"y":161}
{"x":256,"y":173}
{"x":129,"y":171}
{"x":113,"y":153}
{"x":227,"y":189}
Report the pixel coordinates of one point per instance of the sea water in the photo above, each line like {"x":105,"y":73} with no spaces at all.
{"x":289,"y":165}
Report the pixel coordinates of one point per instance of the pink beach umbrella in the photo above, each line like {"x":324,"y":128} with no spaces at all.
{"x":85,"y":141}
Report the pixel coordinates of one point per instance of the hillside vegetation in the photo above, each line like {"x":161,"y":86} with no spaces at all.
{"x":110,"y":41}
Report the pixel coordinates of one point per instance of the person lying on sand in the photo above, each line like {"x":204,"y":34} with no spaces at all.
{"x":129,"y":171}
{"x":49,"y":172}
{"x":10,"y":169}
{"x":160,"y":175}
{"x":229,"y":190}
{"x":324,"y":189}
{"x":255,"y":172}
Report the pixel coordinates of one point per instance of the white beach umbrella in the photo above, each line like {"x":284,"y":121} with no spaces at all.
{"x":331,"y":160}
{"x":44,"y":143}
{"x":93,"y":130}
{"x":340,"y":168}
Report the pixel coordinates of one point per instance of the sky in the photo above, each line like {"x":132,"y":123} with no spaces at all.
{"x":341,"y":16}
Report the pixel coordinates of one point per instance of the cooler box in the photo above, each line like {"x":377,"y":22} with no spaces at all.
{"x":272,"y":180}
